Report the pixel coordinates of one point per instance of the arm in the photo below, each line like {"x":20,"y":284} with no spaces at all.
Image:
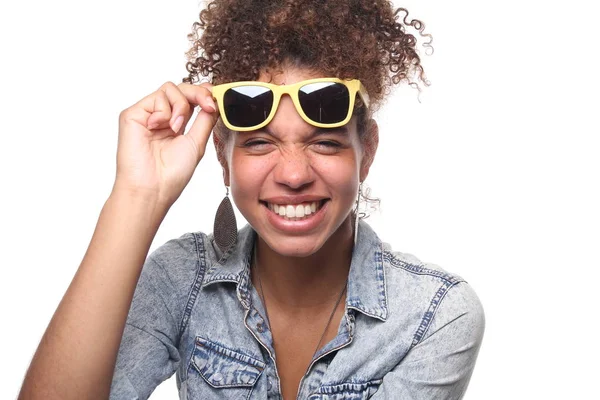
{"x":155,"y":161}
{"x":76,"y":356}
{"x":440,"y":366}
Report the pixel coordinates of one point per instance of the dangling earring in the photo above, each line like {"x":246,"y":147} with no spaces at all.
{"x":225,"y":227}
{"x":356,"y":212}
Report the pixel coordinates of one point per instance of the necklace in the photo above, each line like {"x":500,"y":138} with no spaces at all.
{"x":262,"y":298}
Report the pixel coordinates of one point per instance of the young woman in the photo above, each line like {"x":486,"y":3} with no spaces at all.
{"x":305,"y":302}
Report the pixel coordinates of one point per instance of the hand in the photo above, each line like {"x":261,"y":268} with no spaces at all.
{"x":154,"y":157}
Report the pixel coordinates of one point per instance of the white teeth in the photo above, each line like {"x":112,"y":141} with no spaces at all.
{"x":290,"y":211}
{"x":293,"y":211}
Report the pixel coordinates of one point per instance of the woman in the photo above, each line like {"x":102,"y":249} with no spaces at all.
{"x":305,"y":302}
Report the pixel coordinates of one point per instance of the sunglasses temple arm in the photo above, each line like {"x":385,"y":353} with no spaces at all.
{"x":364,"y":95}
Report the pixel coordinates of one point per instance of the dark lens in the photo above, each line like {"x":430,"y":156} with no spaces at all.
{"x":247,"y":106}
{"x":325,"y":102}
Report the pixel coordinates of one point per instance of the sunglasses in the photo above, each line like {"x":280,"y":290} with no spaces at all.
{"x":322,"y":102}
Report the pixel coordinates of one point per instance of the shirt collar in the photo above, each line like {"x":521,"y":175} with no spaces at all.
{"x":233,"y":265}
{"x":366,"y":284}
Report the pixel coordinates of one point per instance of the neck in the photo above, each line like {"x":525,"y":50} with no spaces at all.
{"x":306,"y":282}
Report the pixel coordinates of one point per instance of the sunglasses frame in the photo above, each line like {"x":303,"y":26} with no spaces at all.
{"x":354,"y":86}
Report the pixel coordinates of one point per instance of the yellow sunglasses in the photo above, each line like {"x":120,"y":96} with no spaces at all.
{"x":322,"y":102}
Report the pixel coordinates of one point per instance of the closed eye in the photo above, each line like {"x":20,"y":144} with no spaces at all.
{"x":258,"y":146}
{"x":328,"y":143}
{"x":327,"y":147}
{"x":255,"y":142}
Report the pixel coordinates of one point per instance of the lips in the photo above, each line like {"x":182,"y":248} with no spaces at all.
{"x":296,"y":225}
{"x":295,"y":210}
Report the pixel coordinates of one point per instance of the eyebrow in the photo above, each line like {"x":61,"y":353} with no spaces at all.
{"x":340,"y":130}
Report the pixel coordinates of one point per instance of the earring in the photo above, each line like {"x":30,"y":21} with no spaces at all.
{"x":225,"y":227}
{"x":356,"y":211}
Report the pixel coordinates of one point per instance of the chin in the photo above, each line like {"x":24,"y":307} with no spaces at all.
{"x":293,"y":246}
{"x":306,"y":244}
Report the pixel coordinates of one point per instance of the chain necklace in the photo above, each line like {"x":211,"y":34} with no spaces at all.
{"x":262,"y":298}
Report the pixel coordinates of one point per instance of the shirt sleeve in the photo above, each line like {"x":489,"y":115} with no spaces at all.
{"x":440,"y":365}
{"x":148,"y":354}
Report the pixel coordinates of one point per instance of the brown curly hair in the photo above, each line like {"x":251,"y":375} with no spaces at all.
{"x":237,"y":39}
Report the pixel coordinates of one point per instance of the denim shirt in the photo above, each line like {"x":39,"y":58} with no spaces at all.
{"x":410,"y":330}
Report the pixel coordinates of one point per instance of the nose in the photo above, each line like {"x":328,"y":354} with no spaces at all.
{"x":293,"y":168}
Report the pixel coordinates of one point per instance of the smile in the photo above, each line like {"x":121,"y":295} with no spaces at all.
{"x":295,"y":212}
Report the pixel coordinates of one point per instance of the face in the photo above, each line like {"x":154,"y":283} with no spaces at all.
{"x":296,"y":184}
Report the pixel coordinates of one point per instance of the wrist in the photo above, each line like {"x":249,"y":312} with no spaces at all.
{"x":138,"y":194}
{"x":139,"y":202}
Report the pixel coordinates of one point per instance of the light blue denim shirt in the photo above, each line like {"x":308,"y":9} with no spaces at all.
{"x":410,"y":330}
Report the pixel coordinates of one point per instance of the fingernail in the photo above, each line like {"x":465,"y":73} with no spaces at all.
{"x":212,"y":107}
{"x":177,"y":124}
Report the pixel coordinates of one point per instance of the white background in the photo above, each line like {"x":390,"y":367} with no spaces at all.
{"x":493,"y":176}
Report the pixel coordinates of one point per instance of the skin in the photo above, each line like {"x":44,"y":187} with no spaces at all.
{"x":155,"y":161}
{"x":290,"y":158}
{"x":281,"y":163}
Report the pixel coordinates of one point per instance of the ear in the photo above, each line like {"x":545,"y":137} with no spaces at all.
{"x":370,"y":144}
{"x":221,"y":148}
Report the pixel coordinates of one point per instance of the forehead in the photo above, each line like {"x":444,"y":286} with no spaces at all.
{"x":288,"y":74}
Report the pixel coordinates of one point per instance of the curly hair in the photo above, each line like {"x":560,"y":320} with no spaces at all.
{"x":350,"y":39}
{"x":236,"y":39}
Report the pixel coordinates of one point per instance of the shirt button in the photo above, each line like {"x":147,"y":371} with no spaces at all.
{"x":217,"y":377}
{"x":260,"y":328}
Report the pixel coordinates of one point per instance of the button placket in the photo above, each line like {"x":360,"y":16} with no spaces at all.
{"x":258,"y":327}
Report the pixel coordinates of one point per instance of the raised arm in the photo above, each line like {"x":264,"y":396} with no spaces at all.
{"x":155,"y":161}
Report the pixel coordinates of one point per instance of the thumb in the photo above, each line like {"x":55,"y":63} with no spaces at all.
{"x":200,"y":131}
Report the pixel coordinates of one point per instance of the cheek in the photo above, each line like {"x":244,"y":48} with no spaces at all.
{"x":247,"y":176}
{"x":340,"y":174}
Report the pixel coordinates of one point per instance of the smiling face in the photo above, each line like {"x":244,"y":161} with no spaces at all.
{"x":295,"y":183}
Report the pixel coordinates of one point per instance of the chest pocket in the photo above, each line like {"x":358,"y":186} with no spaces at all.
{"x":217,"y":372}
{"x":347,"y":391}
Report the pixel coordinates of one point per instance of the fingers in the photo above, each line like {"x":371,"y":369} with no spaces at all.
{"x":171,"y":106}
{"x":182,"y":99}
{"x":200,"y":95}
{"x":160,"y":111}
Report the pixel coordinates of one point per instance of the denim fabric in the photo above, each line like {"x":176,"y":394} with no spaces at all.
{"x":410,"y":330}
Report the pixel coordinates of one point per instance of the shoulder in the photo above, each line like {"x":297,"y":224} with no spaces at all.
{"x":175,"y":264}
{"x":438,"y":297}
{"x":405,"y":269}
{"x":188,"y":245}
{"x":407,"y":264}
{"x":188,"y":258}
